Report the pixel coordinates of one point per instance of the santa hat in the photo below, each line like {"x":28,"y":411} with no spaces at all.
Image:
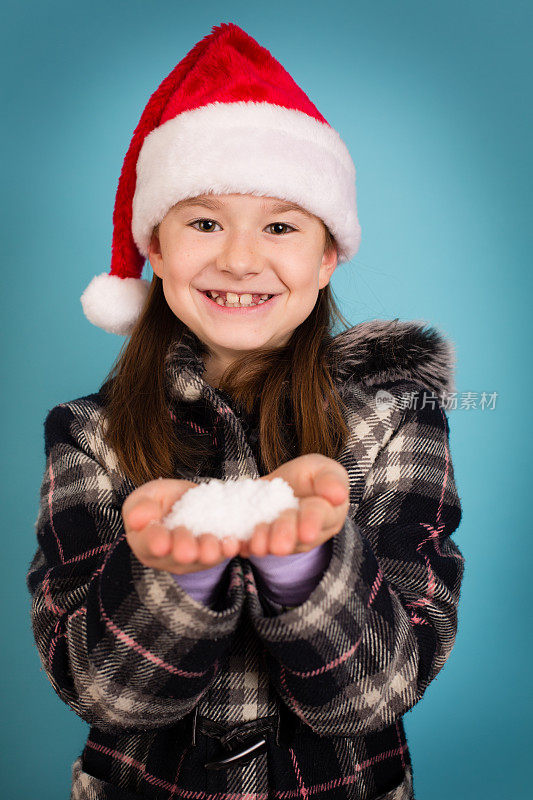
{"x":228,"y":119}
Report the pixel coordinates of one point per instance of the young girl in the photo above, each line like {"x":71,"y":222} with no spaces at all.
{"x":280,"y":667}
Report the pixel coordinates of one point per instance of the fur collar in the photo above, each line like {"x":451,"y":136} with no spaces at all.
{"x":369,"y":353}
{"x":377,"y":351}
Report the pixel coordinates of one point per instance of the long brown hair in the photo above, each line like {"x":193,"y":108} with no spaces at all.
{"x":291,"y":388}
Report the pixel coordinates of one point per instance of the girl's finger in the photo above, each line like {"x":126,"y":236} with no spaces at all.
{"x":331,"y":516}
{"x":158,"y":540}
{"x":230,"y":546}
{"x":331,"y":485}
{"x":258,"y":545}
{"x":141,"y":542}
{"x":155,"y":499}
{"x":283,"y":533}
{"x":310,"y":522}
{"x":244,"y":548}
{"x":185,"y":546}
{"x":301,"y":474}
{"x":209,"y":550}
{"x":140,"y":514}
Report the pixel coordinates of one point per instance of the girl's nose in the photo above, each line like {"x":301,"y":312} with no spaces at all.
{"x":240,"y":255}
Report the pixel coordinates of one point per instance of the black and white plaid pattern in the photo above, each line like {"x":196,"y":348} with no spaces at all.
{"x":132,"y":654}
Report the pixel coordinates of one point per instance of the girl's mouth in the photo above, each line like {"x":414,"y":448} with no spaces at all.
{"x":242,"y":310}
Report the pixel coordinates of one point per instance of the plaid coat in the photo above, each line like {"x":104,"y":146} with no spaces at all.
{"x":169,"y":685}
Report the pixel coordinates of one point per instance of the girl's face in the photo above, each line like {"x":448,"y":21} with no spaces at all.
{"x":244,"y":244}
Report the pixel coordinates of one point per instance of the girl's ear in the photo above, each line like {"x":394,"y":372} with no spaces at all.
{"x":328,"y":266}
{"x":155,"y":256}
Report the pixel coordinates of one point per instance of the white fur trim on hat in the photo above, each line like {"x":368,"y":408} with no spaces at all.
{"x":114,"y":303}
{"x":247,"y":148}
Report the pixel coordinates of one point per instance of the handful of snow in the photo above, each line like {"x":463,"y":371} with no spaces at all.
{"x":232,"y":507}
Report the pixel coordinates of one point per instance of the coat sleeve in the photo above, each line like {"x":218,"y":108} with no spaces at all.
{"x":362,"y":649}
{"x":121,"y":643}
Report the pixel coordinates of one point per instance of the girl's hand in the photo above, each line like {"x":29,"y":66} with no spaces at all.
{"x":175,"y":550}
{"x":322,"y":487}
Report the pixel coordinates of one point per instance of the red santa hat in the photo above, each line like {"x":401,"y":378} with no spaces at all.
{"x":228,"y":119}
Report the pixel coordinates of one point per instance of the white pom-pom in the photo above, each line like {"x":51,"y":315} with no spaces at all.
{"x":114,"y":304}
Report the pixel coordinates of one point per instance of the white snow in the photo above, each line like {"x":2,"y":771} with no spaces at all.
{"x":231,"y":507}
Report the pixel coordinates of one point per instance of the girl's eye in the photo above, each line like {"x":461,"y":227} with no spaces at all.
{"x":280,"y":225}
{"x":201,"y":221}
{"x":212,"y":222}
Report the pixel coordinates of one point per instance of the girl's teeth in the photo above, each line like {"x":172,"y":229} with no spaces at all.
{"x":244,"y":300}
{"x":233,"y":301}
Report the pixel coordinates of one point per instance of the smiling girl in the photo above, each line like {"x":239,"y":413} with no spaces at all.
{"x":252,"y":247}
{"x":281,"y":666}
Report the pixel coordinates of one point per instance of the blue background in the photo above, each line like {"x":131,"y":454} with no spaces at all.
{"x":434,"y":103}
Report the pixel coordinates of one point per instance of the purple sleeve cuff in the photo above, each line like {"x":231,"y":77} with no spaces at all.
{"x":289,"y":580}
{"x":201,"y":585}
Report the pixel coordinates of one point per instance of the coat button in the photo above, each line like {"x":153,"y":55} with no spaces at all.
{"x":246,"y":753}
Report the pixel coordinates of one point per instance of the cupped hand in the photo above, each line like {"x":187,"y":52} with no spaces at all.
{"x":176,"y":550}
{"x":322,"y":487}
